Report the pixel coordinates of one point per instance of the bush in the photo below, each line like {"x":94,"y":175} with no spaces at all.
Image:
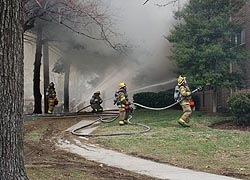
{"x":156,"y":100}
{"x":239,"y":104}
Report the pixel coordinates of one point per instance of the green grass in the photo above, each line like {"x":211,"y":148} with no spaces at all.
{"x":199,"y":147}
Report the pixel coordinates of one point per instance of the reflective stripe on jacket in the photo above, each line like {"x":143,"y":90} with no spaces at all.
{"x":122,"y":97}
{"x":51,"y":93}
{"x":96,"y":100}
{"x":185,"y":92}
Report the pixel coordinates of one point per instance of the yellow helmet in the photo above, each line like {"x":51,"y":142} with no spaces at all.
{"x":97,"y":92}
{"x":181,"y":80}
{"x":122,"y":84}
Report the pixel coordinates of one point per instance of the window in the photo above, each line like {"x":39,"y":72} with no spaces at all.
{"x":240,"y":38}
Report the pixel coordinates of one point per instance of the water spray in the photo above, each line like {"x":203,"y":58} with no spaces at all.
{"x":147,"y":87}
{"x":99,"y":85}
{"x":154,"y":85}
{"x":134,"y":90}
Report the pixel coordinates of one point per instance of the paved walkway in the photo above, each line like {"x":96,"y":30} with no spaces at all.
{"x":135,"y":164}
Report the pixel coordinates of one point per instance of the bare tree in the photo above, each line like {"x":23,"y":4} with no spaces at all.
{"x":164,"y":4}
{"x":86,"y":18}
{"x":37,"y":67}
{"x":11,"y":91}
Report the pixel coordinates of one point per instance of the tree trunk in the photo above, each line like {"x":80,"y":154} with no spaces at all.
{"x":66,"y":87}
{"x":214,"y":100}
{"x":11,"y":91}
{"x":36,"y":80}
{"x":45,"y":73}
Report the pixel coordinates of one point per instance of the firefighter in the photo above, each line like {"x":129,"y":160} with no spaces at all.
{"x":122,"y":102}
{"x":51,"y":95}
{"x":96,"y":102}
{"x":186,"y":94}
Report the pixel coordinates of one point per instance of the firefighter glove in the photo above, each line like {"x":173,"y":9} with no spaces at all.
{"x":188,"y":93}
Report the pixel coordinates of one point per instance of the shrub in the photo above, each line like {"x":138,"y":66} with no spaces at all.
{"x":239,"y":104}
{"x":156,"y":100}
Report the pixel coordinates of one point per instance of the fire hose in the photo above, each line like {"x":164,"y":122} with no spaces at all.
{"x":156,"y":109}
{"x":169,"y":106}
{"x":128,"y":109}
{"x":107,"y":120}
{"x":83,"y":108}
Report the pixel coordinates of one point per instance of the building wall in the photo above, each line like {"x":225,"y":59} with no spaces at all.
{"x":243,"y":18}
{"x":205,"y":98}
{"x":29,"y":58}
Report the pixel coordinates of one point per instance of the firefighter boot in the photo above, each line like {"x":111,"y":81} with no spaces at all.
{"x":121,"y":122}
{"x":183,"y":123}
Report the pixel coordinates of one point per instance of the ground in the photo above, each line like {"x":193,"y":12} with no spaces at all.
{"x":44,"y":161}
{"x":230,"y":125}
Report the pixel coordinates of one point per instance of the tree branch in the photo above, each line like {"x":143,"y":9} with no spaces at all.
{"x":145,"y":2}
{"x":163,"y":5}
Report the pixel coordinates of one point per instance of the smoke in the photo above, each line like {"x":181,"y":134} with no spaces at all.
{"x":144,"y":28}
{"x":96,"y":66}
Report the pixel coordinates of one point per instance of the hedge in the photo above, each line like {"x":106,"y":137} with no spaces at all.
{"x":156,"y":100}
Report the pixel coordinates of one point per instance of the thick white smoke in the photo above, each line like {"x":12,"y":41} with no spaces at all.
{"x":99,"y":67}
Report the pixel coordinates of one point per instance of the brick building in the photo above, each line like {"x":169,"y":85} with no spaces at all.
{"x":241,"y":39}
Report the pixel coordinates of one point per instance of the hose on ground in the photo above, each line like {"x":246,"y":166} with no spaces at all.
{"x":83,"y":108}
{"x":107,"y":120}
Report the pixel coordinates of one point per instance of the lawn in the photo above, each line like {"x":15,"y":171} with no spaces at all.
{"x":199,"y":147}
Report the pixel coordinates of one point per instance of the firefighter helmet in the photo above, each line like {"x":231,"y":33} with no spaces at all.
{"x":122,"y":85}
{"x":51,"y":84}
{"x":181,"y":80}
{"x":97,"y":92}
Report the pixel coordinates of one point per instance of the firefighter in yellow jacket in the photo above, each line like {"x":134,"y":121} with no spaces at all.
{"x":121,"y":99}
{"x":51,"y":94}
{"x":186,"y":94}
{"x":96,"y":102}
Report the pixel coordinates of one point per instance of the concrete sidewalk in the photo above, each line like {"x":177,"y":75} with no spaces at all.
{"x":135,"y":164}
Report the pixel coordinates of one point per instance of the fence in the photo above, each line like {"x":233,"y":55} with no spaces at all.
{"x":206,"y":100}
